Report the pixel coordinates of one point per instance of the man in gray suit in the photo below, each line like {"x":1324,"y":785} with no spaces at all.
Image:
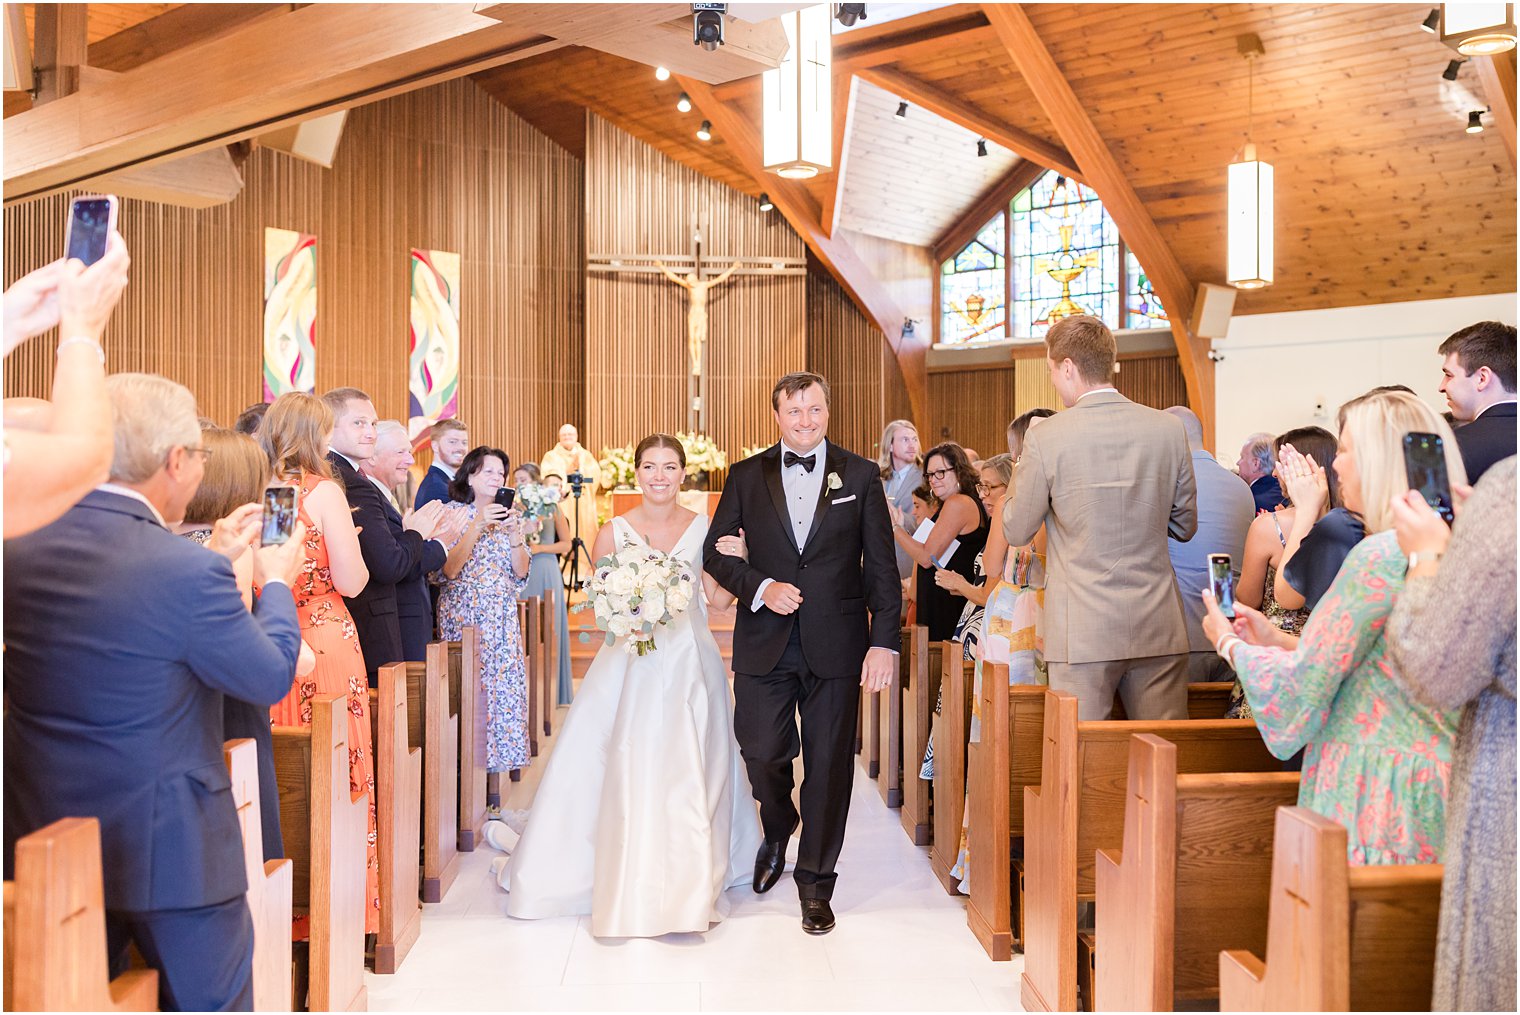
{"x":1110,"y":480}
{"x":901,"y":474}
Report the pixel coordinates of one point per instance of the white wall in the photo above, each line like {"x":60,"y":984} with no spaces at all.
{"x":1293,"y":369}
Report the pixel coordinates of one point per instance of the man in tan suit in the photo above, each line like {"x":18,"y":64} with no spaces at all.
{"x":1110,"y":480}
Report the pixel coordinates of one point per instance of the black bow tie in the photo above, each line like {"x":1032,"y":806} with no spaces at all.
{"x":791,"y":458}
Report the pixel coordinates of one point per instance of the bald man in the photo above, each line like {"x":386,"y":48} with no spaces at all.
{"x":1225,"y":509}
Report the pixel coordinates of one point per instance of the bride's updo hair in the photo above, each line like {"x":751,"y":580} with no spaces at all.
{"x":658,"y":440}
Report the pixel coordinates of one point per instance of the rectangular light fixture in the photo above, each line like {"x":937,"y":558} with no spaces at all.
{"x":797,"y":96}
{"x":1480,"y":29}
{"x":1249,"y":261}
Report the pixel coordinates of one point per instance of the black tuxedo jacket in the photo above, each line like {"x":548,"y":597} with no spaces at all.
{"x":393,"y":556}
{"x":847,"y":568}
{"x":1487,"y":440}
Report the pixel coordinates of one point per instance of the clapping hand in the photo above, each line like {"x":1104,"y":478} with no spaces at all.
{"x":233,"y":535}
{"x":733,"y":546}
{"x":1303,"y":480}
{"x":452,"y":524}
{"x":425,"y":520}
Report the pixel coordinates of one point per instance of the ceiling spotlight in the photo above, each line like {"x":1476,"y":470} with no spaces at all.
{"x":765,"y":202}
{"x":848,"y":14}
{"x":704,"y":132}
{"x":1432,"y":22}
{"x":684,"y":103}
{"x":981,"y":148}
{"x":707,"y":25}
{"x":1475,"y":121}
{"x":662,"y":73}
{"x":902,"y":109}
{"x":1452,"y":70}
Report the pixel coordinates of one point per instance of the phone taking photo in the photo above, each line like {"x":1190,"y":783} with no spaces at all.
{"x":1425,"y":464}
{"x":505,"y":495}
{"x":91,"y":222}
{"x":1222,"y":583}
{"x":279,"y":516}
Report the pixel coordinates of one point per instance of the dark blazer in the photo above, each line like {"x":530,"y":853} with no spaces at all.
{"x":1487,"y":440}
{"x":414,"y":601}
{"x":434,"y":486}
{"x":121,"y":639}
{"x":847,"y":567}
{"x":1267,"y":492}
{"x":392,"y":554}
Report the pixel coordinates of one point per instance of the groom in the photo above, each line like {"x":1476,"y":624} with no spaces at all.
{"x":820,"y":544}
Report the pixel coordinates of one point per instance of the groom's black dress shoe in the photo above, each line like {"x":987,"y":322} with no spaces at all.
{"x":817,"y":917}
{"x":769,"y":863}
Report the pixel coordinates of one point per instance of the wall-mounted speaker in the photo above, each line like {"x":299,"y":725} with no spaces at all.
{"x":313,"y":140}
{"x":1212,"y":308}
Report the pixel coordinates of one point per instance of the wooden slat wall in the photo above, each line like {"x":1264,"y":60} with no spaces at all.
{"x":445,"y":168}
{"x":866,"y":386}
{"x":1155,"y":380}
{"x":641,"y":202}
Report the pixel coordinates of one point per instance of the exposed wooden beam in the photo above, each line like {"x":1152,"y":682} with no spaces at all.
{"x":1102,"y":171}
{"x":62,"y":47}
{"x":1498,"y":76}
{"x":801,"y":211}
{"x":959,"y":111}
{"x":185,"y":25}
{"x":314,"y":60}
{"x":935,"y":32}
{"x":994,"y":199}
{"x":833,"y":190}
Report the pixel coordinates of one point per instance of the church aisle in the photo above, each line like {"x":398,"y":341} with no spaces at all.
{"x":901,"y":945}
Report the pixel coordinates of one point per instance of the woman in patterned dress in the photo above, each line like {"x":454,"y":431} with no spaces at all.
{"x":1376,"y":759}
{"x":295,"y":435}
{"x":481,"y":580}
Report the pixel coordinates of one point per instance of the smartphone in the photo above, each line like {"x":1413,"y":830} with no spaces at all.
{"x":1222,"y":582}
{"x":1425,"y":462}
{"x":279,"y":515}
{"x":91,"y":222}
{"x":505,"y":495}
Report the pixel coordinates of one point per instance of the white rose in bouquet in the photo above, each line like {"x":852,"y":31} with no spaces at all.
{"x":653,"y":602}
{"x":621,"y":583}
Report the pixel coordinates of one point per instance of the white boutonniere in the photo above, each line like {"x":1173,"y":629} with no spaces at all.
{"x":834,"y":482}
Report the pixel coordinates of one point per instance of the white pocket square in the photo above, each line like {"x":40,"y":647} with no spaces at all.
{"x":845,"y":500}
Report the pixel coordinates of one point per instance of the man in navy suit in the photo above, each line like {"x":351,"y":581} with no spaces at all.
{"x":387,"y":469}
{"x":390,"y":557}
{"x":121,"y":640}
{"x":451,"y":442}
{"x":1478,"y":380}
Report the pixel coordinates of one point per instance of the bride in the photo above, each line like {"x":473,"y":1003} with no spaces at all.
{"x":644,"y":815}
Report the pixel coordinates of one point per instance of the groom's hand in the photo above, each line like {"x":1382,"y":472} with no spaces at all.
{"x":779,"y":597}
{"x":876,"y":671}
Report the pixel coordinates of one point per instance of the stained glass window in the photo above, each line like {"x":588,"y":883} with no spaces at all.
{"x":1065,"y":256}
{"x":973,"y":287}
{"x":1142,"y":307}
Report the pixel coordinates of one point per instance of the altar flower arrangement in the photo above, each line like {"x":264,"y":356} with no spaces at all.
{"x":635,"y":591}
{"x":617,"y":467}
{"x":702,"y":454}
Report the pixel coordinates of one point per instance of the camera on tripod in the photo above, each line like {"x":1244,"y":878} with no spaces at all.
{"x":577,"y":481}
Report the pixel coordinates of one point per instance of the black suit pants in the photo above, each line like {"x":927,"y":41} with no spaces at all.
{"x":204,"y":956}
{"x":765,"y":724}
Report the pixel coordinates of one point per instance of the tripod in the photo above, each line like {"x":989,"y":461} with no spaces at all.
{"x":577,"y":544}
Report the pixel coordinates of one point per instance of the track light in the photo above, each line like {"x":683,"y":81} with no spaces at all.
{"x":662,"y":73}
{"x":1452,"y":69}
{"x":1475,"y":121}
{"x":902,"y":109}
{"x":981,"y":148}
{"x":684,"y":103}
{"x":704,"y":132}
{"x":848,"y":14}
{"x":1432,"y":22}
{"x":707,"y":25}
{"x":765,"y":202}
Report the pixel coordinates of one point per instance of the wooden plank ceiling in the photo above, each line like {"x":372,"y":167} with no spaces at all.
{"x":1381,"y":196}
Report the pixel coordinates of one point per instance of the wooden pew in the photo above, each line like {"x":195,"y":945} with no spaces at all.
{"x":435,"y":724}
{"x":467,"y":698}
{"x":1191,"y":880}
{"x":398,"y":817}
{"x":326,"y":832}
{"x":1339,"y":938}
{"x":269,"y":883}
{"x":1079,"y":809}
{"x":55,"y":928}
{"x":888,"y":732}
{"x":952,"y":728}
{"x":1207,"y":700}
{"x":917,"y":714}
{"x":527,"y":624}
{"x":868,"y":734}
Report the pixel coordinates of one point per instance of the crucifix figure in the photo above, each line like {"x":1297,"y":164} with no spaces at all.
{"x":696,"y":314}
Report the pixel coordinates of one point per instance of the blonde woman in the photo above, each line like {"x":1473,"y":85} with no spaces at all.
{"x":1376,"y":759}
{"x":901,"y":473}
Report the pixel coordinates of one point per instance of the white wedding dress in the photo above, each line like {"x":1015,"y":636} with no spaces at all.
{"x":644,"y":815}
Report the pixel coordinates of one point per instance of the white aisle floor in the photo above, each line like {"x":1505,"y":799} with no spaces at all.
{"x":901,"y":944}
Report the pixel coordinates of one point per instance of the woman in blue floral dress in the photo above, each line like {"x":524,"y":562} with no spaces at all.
{"x":481,"y":581}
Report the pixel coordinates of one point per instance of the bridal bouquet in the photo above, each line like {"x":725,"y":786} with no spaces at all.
{"x":636,"y":590}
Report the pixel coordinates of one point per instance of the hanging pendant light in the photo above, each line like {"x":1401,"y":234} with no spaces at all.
{"x":1249,"y":249}
{"x":1478,"y":29}
{"x":798,"y":121}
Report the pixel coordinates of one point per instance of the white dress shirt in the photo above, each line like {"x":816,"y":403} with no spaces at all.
{"x":801,"y":489}
{"x":389,"y":495}
{"x":1096,"y":391}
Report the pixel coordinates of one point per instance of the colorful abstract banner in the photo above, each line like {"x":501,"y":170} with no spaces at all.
{"x":433,"y":364}
{"x":290,"y":312}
